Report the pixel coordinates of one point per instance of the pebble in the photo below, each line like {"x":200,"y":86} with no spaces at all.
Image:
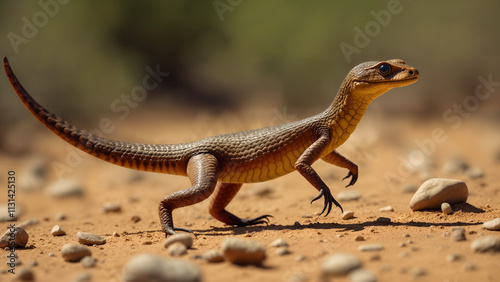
{"x":20,"y":235}
{"x":88,"y":262}
{"x":486,"y":244}
{"x":475,"y":173}
{"x":469,"y":266}
{"x":240,"y":251}
{"x":5,"y":215}
{"x":383,"y":220}
{"x":34,"y":175}
{"x":61,"y":216}
{"x":82,"y":277}
{"x":281,"y":251}
{"x":457,"y":234}
{"x":435,"y":191}
{"x":29,"y":223}
{"x":279,"y":243}
{"x":359,"y":238}
{"x":300,"y":258}
{"x":57,"y":231}
{"x":370,"y":247}
{"x":453,"y":257}
{"x":348,"y":195}
{"x":455,"y":165}
{"x":347,"y":215}
{"x":213,"y":256}
{"x":65,"y":188}
{"x":418,"y":272}
{"x":89,"y":238}
{"x":111,"y":207}
{"x":339,"y":264}
{"x":386,"y":209}
{"x":177,"y":249}
{"x":148,"y":267}
{"x":182,"y":238}
{"x":409,"y":188}
{"x":446,"y":208}
{"x":493,"y":224}
{"x":74,"y":252}
{"x":25,"y":274}
{"x":306,"y":216}
{"x":362,"y":275}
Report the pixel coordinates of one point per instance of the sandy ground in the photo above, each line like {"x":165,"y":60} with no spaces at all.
{"x":379,"y":147}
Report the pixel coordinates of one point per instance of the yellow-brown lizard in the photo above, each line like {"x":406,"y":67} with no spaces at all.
{"x":222,"y":163}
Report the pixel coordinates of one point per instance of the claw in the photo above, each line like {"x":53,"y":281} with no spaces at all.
{"x":171,"y":231}
{"x":353,"y":179}
{"x":257,"y":220}
{"x":329,"y":201}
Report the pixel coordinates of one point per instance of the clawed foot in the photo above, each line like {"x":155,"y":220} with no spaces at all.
{"x":353,"y":179}
{"x":171,"y":231}
{"x":254,"y":221}
{"x":329,"y":200}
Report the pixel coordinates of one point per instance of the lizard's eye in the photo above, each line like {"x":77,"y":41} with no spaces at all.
{"x":384,"y":69}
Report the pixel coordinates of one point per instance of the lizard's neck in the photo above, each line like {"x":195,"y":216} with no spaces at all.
{"x":344,"y":114}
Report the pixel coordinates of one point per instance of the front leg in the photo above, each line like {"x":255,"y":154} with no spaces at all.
{"x":337,"y":159}
{"x":303,"y":166}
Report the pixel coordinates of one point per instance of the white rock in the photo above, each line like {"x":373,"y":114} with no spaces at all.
{"x":493,"y":224}
{"x":435,"y":191}
{"x":213,"y":256}
{"x":5,"y":215}
{"x":347,"y":215}
{"x":182,"y":238}
{"x":370,"y":247}
{"x":177,"y":249}
{"x":386,"y":209}
{"x":57,"y":231}
{"x":446,"y":208}
{"x":111,"y":207}
{"x":65,"y":188}
{"x":348,"y":195}
{"x":457,"y":233}
{"x":279,"y":243}
{"x":239,"y":251}
{"x":88,"y":262}
{"x":453,"y":257}
{"x":475,"y":173}
{"x":74,"y":252}
{"x":362,"y":275}
{"x":486,"y":244}
{"x":18,"y":233}
{"x":147,"y":267}
{"x":339,"y":264}
{"x":90,"y":238}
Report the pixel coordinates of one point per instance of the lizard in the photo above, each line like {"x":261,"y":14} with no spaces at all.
{"x":221,"y":164}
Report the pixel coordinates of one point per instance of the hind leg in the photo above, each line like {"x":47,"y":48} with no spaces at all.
{"x":224,"y":193}
{"x":203,"y":171}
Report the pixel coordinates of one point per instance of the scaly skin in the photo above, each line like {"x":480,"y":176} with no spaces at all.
{"x":223,"y":163}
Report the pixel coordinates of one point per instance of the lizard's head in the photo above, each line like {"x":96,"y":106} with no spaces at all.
{"x":371,"y":79}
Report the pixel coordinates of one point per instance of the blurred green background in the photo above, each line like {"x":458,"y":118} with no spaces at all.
{"x":223,"y":55}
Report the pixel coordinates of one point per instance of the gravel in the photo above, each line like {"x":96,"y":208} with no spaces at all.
{"x":148,"y":267}
{"x":457,"y":234}
{"x":57,"y":231}
{"x":20,"y":235}
{"x":348,"y":195}
{"x":446,"y":208}
{"x":433,"y":192}
{"x":182,"y":238}
{"x":493,"y":224}
{"x":370,"y":247}
{"x":74,"y":252}
{"x":239,"y":251}
{"x":347,"y":215}
{"x":339,"y":264}
{"x":486,"y":244}
{"x":90,"y":238}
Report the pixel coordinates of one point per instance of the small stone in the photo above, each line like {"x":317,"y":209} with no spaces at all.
{"x":90,"y":238}
{"x":65,"y":188}
{"x":359,"y":238}
{"x":362,"y":275}
{"x":116,"y":234}
{"x":486,"y":244}
{"x":446,"y":208}
{"x":281,"y":251}
{"x":409,"y":188}
{"x":384,"y":220}
{"x":306,"y":216}
{"x":455,"y":165}
{"x":279,"y":243}
{"x":148,"y":267}
{"x":5,"y":215}
{"x":111,"y":207}
{"x":402,"y":245}
{"x":82,"y":277}
{"x":213,"y":256}
{"x":88,"y":262}
{"x":182,"y":238}
{"x":135,"y":218}
{"x":418,"y":272}
{"x":370,"y":247}
{"x":339,"y":264}
{"x":61,"y":216}
{"x":469,"y":266}
{"x":406,"y":235}
{"x":386,"y":209}
{"x":51,"y":255}
{"x":75,"y":252}
{"x":18,"y":233}
{"x":475,"y":173}
{"x":57,"y":231}
{"x":239,"y":251}
{"x":177,"y":249}
{"x":26,"y":274}
{"x":347,"y":215}
{"x":435,"y":191}
{"x":403,"y":254}
{"x":493,"y":224}
{"x":375,"y":257}
{"x":457,"y":234}
{"x":348,"y":195}
{"x":300,"y":258}
{"x":453,"y":257}
{"x":298,"y":277}
{"x":34,"y":175}
{"x":29,"y":223}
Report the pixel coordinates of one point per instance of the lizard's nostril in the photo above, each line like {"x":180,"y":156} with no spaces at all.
{"x":412,"y":72}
